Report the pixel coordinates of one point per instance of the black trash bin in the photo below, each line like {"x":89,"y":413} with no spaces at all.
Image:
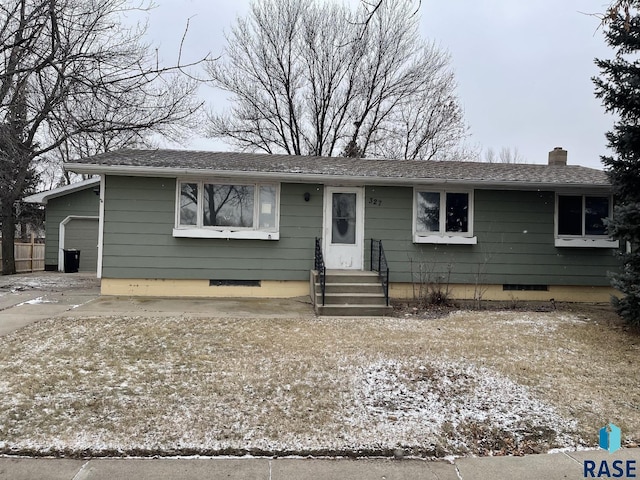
{"x":71,"y":260}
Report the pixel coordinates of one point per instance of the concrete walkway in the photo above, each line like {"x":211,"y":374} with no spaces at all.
{"x":27,"y":298}
{"x":558,"y":466}
{"x":198,"y":307}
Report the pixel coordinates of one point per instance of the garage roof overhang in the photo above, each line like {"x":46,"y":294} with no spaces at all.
{"x":44,"y":197}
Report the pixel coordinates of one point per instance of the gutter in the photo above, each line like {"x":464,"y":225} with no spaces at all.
{"x":171,"y":172}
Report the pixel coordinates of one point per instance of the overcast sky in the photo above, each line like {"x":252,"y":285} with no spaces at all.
{"x":523,"y":68}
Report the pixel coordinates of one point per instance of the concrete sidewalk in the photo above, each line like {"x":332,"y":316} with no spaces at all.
{"x":550,"y":467}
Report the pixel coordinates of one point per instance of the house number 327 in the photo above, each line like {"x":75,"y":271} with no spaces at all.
{"x":375,"y":201}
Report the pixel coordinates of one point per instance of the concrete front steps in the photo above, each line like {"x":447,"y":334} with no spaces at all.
{"x":349,"y":293}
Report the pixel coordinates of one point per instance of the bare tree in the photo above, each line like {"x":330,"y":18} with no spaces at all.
{"x":430,"y":125}
{"x":505,"y":155}
{"x":318,"y":78}
{"x":372,"y":6}
{"x":511,"y":155}
{"x":87,"y":144}
{"x":71,"y":70}
{"x":490,"y":156}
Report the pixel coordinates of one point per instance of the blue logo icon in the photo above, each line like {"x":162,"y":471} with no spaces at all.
{"x":610,"y":438}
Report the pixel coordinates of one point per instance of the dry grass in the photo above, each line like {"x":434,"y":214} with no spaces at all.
{"x":584,"y":362}
{"x":471,"y":382}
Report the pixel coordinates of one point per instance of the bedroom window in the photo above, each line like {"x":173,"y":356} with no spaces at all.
{"x":226,"y":210}
{"x":581,"y":215}
{"x":443,"y":217}
{"x":580,"y":221}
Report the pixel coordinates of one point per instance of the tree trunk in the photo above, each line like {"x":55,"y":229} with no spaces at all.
{"x":8,"y":233}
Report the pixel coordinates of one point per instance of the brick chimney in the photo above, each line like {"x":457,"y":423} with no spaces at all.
{"x":558,"y":157}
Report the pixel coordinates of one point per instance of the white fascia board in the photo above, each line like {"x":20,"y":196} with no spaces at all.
{"x":44,"y":197}
{"x":293,"y":177}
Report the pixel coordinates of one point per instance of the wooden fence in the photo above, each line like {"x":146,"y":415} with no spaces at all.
{"x":29,"y":256}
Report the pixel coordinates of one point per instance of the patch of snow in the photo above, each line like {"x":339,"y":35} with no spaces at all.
{"x":37,"y":301}
{"x":577,"y":448}
{"x":534,"y":322}
{"x":405,"y":400}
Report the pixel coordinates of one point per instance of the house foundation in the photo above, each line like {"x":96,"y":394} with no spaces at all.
{"x":289,"y":289}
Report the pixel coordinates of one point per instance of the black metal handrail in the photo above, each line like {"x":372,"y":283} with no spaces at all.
{"x":379,"y":264}
{"x":320,"y":268}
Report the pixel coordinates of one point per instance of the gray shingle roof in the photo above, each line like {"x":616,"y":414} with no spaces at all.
{"x":309,"y":168}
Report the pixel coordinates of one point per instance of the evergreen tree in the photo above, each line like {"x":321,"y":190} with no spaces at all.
{"x":619,"y":89}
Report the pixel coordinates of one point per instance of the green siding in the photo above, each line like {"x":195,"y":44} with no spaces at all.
{"x":81,"y":203}
{"x":82,"y":234}
{"x":138,"y":241}
{"x":515,"y":232}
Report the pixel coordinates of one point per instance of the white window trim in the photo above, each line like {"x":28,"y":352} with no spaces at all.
{"x":443,"y":237}
{"x":582,"y":241}
{"x":225,"y":232}
{"x":195,"y":232}
{"x":586,"y":242}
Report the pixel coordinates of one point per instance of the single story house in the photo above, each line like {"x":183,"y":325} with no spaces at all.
{"x":72,"y":217}
{"x":187,"y":223}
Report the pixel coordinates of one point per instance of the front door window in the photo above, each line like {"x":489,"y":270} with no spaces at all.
{"x":343,"y":225}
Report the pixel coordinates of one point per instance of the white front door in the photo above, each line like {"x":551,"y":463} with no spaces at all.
{"x":343,"y":233}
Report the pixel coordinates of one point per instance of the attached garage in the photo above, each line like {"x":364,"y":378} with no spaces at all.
{"x":71,"y":222}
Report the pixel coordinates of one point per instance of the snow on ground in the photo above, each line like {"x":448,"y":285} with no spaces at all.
{"x":442,"y":400}
{"x":36,"y":301}
{"x":46,"y":281}
{"x":233,"y":386}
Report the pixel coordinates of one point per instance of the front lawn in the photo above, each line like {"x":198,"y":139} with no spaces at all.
{"x":468,"y":383}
